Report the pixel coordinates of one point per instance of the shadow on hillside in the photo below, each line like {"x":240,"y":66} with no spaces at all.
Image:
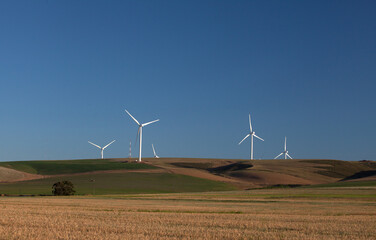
{"x":361,"y":174}
{"x":230,"y":167}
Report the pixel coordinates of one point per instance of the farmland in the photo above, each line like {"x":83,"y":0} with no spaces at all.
{"x":172,"y":175}
{"x":189,"y":199}
{"x":291,"y":213}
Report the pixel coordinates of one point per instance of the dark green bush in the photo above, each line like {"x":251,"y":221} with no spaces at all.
{"x":63,"y":188}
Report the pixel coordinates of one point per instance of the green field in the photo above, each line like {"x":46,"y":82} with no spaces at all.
{"x":72,"y":166}
{"x":118,"y":183}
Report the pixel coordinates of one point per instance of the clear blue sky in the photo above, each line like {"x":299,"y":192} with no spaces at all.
{"x":303,"y":69}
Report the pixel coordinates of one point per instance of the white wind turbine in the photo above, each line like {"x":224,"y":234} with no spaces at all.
{"x":155,"y":155}
{"x":101,"y":148}
{"x":284,"y":152}
{"x":251,"y":133}
{"x":140,"y":132}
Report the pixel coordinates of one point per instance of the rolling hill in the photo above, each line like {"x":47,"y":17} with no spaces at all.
{"x":166,"y":175}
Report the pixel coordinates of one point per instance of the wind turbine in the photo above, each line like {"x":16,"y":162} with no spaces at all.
{"x":101,"y":148}
{"x":140,"y":132}
{"x":155,"y":155}
{"x":252,"y":134}
{"x":284,"y":152}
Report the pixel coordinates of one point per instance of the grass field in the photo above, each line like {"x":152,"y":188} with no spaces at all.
{"x":316,"y":213}
{"x":118,"y":183}
{"x":72,"y":166}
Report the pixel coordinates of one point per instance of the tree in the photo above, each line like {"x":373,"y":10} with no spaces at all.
{"x":63,"y":188}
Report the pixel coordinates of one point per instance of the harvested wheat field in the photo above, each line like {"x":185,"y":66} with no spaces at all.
{"x":322,"y":213}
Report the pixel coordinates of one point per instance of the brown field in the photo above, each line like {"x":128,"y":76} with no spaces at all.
{"x":11,"y":175}
{"x":332,"y":213}
{"x":267,"y":172}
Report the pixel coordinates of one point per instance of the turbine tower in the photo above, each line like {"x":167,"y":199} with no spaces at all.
{"x":284,"y":152}
{"x":101,"y":148}
{"x":252,"y":134}
{"x":155,"y":155}
{"x":140,"y":126}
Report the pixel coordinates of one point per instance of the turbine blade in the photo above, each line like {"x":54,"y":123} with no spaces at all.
{"x":288,"y":155}
{"x":144,"y":124}
{"x":244,"y":138}
{"x":132,"y":117}
{"x":153,"y":150}
{"x":250,"y":124}
{"x":258,"y":137}
{"x":94,"y":145}
{"x":109,"y":144}
{"x":278,"y":156}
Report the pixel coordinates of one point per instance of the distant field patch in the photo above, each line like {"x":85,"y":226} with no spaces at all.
{"x":118,"y":183}
{"x":345,"y":184}
{"x":72,"y":166}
